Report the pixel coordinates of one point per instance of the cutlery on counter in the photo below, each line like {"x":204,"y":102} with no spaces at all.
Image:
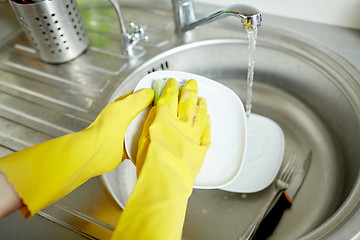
{"x":286,"y":188}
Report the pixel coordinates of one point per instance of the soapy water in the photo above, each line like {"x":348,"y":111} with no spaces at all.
{"x":252,"y":34}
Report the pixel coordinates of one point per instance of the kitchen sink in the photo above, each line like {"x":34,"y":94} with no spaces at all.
{"x":290,"y":89}
{"x":308,"y":84}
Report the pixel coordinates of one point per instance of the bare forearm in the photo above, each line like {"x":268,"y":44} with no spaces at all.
{"x":9,"y":199}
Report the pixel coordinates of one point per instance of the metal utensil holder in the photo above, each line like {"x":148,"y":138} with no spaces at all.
{"x":54,"y":28}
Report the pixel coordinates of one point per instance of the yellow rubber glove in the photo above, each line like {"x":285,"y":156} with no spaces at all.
{"x":172,"y":148}
{"x":44,"y":173}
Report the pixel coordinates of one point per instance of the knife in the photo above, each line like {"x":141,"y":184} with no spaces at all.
{"x":283,"y":202}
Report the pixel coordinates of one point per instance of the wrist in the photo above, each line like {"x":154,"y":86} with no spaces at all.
{"x":167,"y":180}
{"x":9,"y":199}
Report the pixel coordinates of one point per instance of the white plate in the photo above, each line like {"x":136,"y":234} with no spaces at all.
{"x":263,"y":158}
{"x":121,"y":181}
{"x":228,"y":129}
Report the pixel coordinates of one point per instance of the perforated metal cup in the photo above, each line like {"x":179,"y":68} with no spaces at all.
{"x":54,"y":28}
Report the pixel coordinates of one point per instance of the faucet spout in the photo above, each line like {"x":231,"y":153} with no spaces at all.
{"x":185,"y":17}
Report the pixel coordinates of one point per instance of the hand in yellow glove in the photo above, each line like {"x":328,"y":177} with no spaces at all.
{"x":44,"y":173}
{"x":172,"y":148}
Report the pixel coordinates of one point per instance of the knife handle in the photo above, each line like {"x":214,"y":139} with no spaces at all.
{"x":269,"y":223}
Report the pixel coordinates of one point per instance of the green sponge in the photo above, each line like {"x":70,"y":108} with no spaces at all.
{"x":158,"y":87}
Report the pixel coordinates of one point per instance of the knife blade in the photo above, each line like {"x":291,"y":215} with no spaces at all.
{"x":283,"y":201}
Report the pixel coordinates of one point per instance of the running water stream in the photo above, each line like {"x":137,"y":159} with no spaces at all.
{"x":265,"y":143}
{"x":250,"y":75}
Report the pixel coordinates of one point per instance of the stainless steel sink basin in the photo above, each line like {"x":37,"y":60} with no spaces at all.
{"x":305,"y":79}
{"x":316,"y":102}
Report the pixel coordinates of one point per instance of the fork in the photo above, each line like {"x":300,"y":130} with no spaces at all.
{"x":281,"y":184}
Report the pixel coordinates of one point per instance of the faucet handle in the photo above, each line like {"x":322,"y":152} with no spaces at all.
{"x":139,"y":33}
{"x":130,"y":39}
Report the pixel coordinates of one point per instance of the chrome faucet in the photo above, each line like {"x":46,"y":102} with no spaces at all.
{"x":128,"y":40}
{"x":185,"y":19}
